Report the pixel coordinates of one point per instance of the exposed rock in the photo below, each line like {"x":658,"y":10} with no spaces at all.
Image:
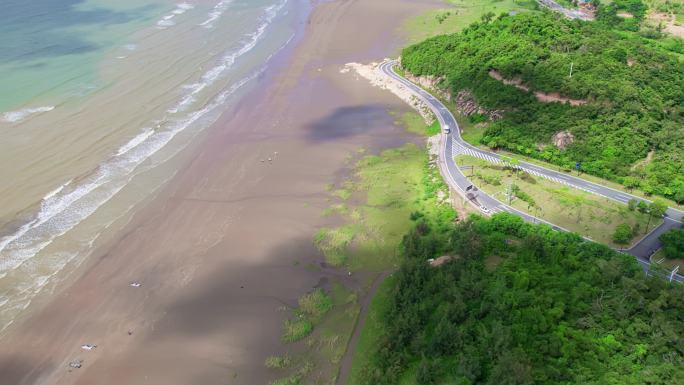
{"x":431,"y":83}
{"x":441,"y":260}
{"x":563,"y":139}
{"x":433,"y":146}
{"x":466,"y":105}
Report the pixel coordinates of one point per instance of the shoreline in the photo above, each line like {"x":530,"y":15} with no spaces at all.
{"x":203,"y":237}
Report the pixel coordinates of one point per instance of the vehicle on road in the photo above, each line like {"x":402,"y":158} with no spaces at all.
{"x":447,"y":129}
{"x":484,"y":210}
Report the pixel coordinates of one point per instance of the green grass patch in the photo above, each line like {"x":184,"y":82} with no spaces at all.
{"x":296,"y":329}
{"x":342,"y":193}
{"x":414,"y":123}
{"x":587,"y":177}
{"x":333,"y":243}
{"x":312,"y":307}
{"x":278,"y":362}
{"x":315,"y":304}
{"x":396,"y":183}
{"x":339,"y":208}
{"x":459,"y":15}
{"x":584,"y":213}
{"x":373,"y":330}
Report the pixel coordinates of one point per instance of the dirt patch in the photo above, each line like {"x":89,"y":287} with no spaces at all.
{"x":544,"y":97}
{"x":644,"y":162}
{"x":669,"y":23}
{"x":625,"y":15}
{"x":493,"y":261}
{"x":441,"y":260}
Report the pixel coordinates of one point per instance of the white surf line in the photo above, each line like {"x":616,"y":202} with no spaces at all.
{"x":216,"y":13}
{"x":19,"y":115}
{"x":167,"y":20}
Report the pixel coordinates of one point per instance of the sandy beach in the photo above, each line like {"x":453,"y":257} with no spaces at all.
{"x":220,"y":250}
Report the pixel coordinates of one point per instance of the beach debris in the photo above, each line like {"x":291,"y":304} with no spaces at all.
{"x":88,"y":347}
{"x":262,"y":161}
{"x":135,"y":284}
{"x":76,"y":364}
{"x":270,"y":160}
{"x":130,"y":332}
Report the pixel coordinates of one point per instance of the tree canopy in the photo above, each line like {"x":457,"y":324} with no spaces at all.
{"x":673,"y":243}
{"x":522,"y":304}
{"x":631,"y":128}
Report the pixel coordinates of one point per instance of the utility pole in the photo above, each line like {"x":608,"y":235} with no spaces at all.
{"x":571,"y":64}
{"x":509,"y":193}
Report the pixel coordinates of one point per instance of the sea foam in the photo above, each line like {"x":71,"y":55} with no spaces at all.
{"x":18,"y":116}
{"x":228,"y":60}
{"x":216,"y":13}
{"x":166,"y":21}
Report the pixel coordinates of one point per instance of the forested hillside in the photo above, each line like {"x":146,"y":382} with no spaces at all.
{"x":631,"y":127}
{"x":522,"y":304}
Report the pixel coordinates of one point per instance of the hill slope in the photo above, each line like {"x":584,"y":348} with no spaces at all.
{"x":634,"y":93}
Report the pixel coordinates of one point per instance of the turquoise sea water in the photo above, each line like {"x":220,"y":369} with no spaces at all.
{"x":97,"y":100}
{"x":50,"y":48}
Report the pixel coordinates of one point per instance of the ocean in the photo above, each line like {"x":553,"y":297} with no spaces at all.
{"x":98,"y":99}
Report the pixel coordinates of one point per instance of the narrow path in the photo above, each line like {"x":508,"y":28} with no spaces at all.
{"x":453,"y":144}
{"x":345,"y":367}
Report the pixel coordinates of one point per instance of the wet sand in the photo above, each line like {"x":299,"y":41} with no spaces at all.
{"x":216,"y":252}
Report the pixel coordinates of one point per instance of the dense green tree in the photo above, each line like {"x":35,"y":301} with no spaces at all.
{"x":555,"y":309}
{"x":632,"y":204}
{"x":673,"y":243}
{"x":622,"y":234}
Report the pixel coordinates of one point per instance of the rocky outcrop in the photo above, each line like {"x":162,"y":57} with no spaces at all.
{"x":563,"y":139}
{"x":467,"y":105}
{"x":431,"y":83}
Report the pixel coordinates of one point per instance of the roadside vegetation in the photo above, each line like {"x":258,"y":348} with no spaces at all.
{"x":626,"y":125}
{"x":673,"y":244}
{"x":520,"y":304}
{"x":601,"y":219}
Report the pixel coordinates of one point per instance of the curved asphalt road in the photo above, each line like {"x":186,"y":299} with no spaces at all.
{"x":453,"y":144}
